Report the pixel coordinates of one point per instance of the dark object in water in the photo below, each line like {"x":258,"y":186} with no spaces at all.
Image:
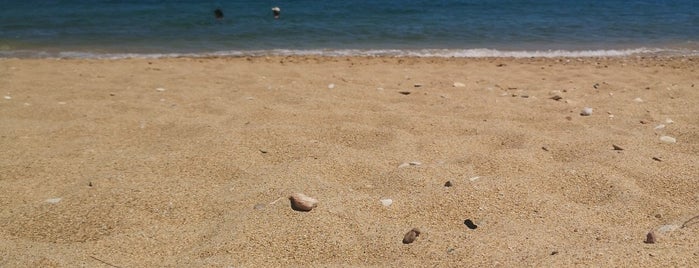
{"x":218,"y":13}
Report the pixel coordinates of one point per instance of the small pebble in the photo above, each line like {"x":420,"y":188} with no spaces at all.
{"x":661,"y":126}
{"x":669,"y":121}
{"x":386,"y":202}
{"x":448,"y":184}
{"x":8,"y":97}
{"x":53,"y":200}
{"x":474,"y":178}
{"x":587,"y":111}
{"x":331,"y":86}
{"x":657,"y":159}
{"x":160,"y":89}
{"x":650,"y":238}
{"x":617,"y":148}
{"x":302,"y":202}
{"x":458,"y":84}
{"x":469,"y":223}
{"x":668,"y":139}
{"x":417,"y":85}
{"x":638,"y":100}
{"x":404,"y":92}
{"x":411,"y":235}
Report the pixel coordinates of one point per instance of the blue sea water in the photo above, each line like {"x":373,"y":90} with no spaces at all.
{"x":148,"y":28}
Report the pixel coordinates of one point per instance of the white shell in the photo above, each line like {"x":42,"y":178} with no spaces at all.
{"x":302,"y":202}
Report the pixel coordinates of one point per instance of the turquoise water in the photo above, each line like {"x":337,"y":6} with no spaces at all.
{"x":101,"y":28}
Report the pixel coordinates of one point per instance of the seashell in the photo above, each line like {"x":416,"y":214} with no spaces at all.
{"x":302,"y":202}
{"x":411,"y":236}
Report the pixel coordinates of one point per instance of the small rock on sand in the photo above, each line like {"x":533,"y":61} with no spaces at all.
{"x":160,"y":89}
{"x":458,"y":84}
{"x":331,"y":86}
{"x":587,"y":111}
{"x":53,"y":200}
{"x":8,"y":97}
{"x":411,"y":235}
{"x":668,"y":139}
{"x":386,"y":202}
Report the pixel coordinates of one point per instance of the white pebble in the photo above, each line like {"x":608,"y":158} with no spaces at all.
{"x":415,"y":163}
{"x":661,"y":126}
{"x":160,"y":89}
{"x":587,"y":111}
{"x":53,"y":200}
{"x":669,"y":121}
{"x":668,"y":139}
{"x":386,"y":202}
{"x":8,"y":97}
{"x":638,"y":100}
{"x":474,"y":178}
{"x":331,"y":86}
{"x":459,"y":84}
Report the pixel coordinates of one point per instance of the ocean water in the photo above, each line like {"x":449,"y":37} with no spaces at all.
{"x":449,"y":28}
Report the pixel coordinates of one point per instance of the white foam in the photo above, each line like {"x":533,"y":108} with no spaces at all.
{"x":441,"y":53}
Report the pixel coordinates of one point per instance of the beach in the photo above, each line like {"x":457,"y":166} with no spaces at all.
{"x":189,"y":161}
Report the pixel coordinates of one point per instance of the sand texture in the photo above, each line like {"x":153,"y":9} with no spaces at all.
{"x":189,"y":162}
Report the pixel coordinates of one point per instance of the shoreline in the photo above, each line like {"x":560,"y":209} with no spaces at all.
{"x":189,"y":161}
{"x":420,"y":53}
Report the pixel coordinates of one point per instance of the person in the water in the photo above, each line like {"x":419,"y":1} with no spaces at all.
{"x":218,"y":13}
{"x":276,"y":11}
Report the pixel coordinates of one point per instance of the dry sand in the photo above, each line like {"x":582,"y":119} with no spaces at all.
{"x":189,"y":162}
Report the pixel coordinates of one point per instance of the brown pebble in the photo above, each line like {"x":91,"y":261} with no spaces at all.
{"x":404,"y":92}
{"x":302,"y":202}
{"x":617,"y":148}
{"x":411,"y":236}
{"x":650,"y":238}
{"x":545,"y":148}
{"x":556,"y":98}
{"x":448,"y":184}
{"x":657,"y":159}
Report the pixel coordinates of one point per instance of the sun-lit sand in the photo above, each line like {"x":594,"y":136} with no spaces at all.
{"x":189,"y":162}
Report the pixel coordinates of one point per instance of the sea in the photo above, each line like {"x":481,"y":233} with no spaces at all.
{"x":421,"y":28}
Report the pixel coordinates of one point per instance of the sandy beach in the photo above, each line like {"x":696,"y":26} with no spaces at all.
{"x":189,"y":162}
